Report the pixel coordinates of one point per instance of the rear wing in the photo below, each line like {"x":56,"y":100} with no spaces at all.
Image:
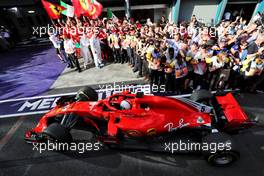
{"x":234,"y":114}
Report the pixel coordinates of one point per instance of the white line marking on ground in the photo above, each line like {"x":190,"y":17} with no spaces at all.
{"x":29,"y":166}
{"x":11,"y":132}
{"x":23,"y":114}
{"x":260,"y":133}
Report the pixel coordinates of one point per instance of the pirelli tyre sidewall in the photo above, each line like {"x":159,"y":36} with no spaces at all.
{"x":87,"y":94}
{"x":225,"y":155}
{"x":223,"y":158}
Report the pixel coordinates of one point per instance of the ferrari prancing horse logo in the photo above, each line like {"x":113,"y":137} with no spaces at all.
{"x":88,"y":7}
{"x":56,"y":9}
{"x":84,"y":4}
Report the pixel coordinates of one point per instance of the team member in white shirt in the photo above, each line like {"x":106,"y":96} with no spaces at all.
{"x":199,"y":67}
{"x":69,"y":47}
{"x":85,"y":52}
{"x":56,"y":43}
{"x":96,"y":49}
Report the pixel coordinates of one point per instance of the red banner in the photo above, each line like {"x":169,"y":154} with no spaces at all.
{"x":91,"y":9}
{"x":95,"y":10}
{"x":53,"y":10}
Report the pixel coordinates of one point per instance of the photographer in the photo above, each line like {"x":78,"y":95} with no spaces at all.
{"x":217,"y":62}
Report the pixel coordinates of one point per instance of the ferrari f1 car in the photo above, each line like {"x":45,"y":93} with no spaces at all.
{"x":156,"y":123}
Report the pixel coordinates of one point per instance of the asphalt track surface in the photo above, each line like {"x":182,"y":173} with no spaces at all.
{"x":18,"y":158}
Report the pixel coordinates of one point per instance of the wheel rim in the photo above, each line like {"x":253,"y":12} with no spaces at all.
{"x":223,"y":159}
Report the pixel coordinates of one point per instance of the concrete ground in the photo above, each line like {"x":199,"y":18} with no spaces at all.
{"x":18,"y":158}
{"x":108,"y":74}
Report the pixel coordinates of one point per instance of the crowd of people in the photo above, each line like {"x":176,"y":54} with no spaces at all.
{"x":180,"y":57}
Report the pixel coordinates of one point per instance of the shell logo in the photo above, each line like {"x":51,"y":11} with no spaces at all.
{"x":134,"y":133}
{"x":151,"y":132}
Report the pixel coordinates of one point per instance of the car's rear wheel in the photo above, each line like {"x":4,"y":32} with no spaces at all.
{"x":87,"y":94}
{"x":223,"y":158}
{"x":57,"y":133}
{"x":222,"y":149}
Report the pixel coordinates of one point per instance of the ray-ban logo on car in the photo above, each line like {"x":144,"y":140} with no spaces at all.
{"x":171,"y":127}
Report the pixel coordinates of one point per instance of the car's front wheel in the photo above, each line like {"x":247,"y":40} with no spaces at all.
{"x":56,"y":132}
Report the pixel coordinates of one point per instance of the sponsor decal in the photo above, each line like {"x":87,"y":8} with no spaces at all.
{"x":42,"y":104}
{"x":200,"y":120}
{"x":35,"y":105}
{"x":151,"y":132}
{"x":172,"y":127}
{"x":134,"y":133}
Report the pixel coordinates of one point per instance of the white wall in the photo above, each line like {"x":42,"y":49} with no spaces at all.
{"x":203,"y":9}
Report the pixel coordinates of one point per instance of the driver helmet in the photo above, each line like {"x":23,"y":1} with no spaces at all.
{"x":125,"y":105}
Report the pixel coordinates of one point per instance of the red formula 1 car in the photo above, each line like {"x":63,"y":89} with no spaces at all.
{"x":148,"y":122}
